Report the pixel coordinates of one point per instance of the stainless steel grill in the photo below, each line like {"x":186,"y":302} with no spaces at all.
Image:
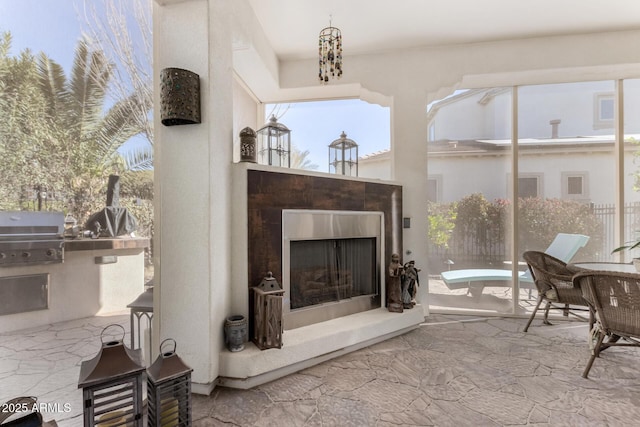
{"x":29,"y":238}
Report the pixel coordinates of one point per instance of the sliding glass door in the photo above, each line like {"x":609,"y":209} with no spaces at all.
{"x":512,"y":169}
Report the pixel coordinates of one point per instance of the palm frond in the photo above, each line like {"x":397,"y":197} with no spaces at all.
{"x":139,"y":159}
{"x":89,"y":78}
{"x":118,"y":126}
{"x":52,"y":81}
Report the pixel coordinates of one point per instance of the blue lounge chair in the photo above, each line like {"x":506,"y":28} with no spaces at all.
{"x":563,"y":247}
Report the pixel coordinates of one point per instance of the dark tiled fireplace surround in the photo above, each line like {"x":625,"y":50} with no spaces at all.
{"x":269,"y":193}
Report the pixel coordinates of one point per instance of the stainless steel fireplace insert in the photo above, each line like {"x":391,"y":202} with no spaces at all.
{"x":331,"y":264}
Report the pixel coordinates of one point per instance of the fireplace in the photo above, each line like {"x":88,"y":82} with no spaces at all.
{"x":331,"y":264}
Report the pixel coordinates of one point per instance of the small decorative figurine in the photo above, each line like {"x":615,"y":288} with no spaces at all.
{"x":410,"y":283}
{"x":394,"y":286}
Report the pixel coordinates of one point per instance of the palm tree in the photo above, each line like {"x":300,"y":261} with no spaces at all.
{"x":75,"y":107}
{"x":83,"y":139}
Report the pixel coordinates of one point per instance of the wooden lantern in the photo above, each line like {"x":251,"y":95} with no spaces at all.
{"x":169,"y":390}
{"x":267,"y":330}
{"x":111,"y":385}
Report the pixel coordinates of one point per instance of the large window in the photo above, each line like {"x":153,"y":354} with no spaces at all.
{"x":567,"y":176}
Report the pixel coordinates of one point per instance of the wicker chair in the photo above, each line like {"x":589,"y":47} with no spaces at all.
{"x":615,"y":298}
{"x":555,"y":285}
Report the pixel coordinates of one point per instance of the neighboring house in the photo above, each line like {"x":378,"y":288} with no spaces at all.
{"x":566,"y":149}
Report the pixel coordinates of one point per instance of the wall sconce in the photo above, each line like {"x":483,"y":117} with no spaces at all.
{"x":179,"y":97}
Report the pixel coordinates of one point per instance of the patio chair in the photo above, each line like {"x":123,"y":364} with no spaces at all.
{"x":563,"y":247}
{"x":615,"y":298}
{"x":554,"y":282}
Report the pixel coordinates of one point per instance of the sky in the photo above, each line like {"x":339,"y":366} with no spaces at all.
{"x":55,"y":27}
{"x":314,"y":125}
{"x":49,"y":26}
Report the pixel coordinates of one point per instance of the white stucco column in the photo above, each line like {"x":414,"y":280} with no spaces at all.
{"x":192,"y":187}
{"x":409,"y":167}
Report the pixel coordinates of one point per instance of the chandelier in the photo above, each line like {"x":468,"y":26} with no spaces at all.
{"x":329,"y":53}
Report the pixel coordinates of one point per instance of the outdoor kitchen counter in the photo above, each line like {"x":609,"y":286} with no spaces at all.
{"x":106,"y":243}
{"x":98,"y":276}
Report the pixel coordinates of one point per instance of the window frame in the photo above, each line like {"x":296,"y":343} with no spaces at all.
{"x":584,"y":195}
{"x":598,"y":121}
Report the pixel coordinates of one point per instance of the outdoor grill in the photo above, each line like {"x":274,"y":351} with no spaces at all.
{"x":29,"y":238}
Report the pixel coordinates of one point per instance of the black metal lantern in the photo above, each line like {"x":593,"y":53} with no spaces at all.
{"x":179,"y":97}
{"x":343,"y":156}
{"x":274,"y":144}
{"x":111,"y":385}
{"x":169,"y":390}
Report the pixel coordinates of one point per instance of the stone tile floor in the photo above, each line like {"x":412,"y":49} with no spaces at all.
{"x":451,"y":371}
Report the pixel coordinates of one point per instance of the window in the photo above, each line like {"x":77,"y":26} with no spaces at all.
{"x":603,"y":111}
{"x":574,"y":185}
{"x":434,"y":188}
{"x":529,"y":186}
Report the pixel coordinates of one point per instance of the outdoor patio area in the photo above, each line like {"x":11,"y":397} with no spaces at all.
{"x":452,"y":370}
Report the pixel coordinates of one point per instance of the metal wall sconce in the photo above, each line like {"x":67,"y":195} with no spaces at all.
{"x":179,"y":97}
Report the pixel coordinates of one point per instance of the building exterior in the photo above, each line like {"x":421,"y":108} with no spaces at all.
{"x":569,"y":157}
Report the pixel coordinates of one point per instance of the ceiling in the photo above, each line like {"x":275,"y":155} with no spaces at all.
{"x":370,"y":26}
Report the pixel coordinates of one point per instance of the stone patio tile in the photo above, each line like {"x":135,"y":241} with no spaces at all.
{"x":513,"y":365}
{"x":241,"y":407}
{"x":543,"y":390}
{"x":288,"y":414}
{"x":340,"y":379}
{"x":333,"y":411}
{"x":386,"y":396}
{"x":292,"y":388}
{"x":409,"y":418}
{"x":453,"y":414}
{"x":502,"y":408}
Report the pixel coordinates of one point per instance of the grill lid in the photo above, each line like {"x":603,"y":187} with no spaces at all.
{"x":28,"y":225}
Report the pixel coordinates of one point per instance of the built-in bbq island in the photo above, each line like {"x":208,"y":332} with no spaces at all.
{"x":93,"y":277}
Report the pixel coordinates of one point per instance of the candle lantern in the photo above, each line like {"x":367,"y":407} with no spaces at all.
{"x":267,"y":330}
{"x":274,"y":144}
{"x":248,"y":145}
{"x":343,"y":156}
{"x":111,"y":385}
{"x":169,"y":389}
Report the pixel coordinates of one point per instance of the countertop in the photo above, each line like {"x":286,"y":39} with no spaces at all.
{"x":87,"y":244}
